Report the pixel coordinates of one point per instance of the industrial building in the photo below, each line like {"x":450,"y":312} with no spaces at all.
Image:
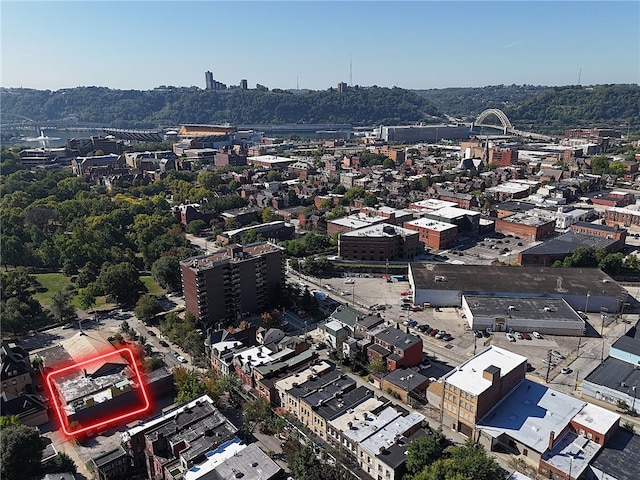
{"x":551,"y":316}
{"x":586,"y":289}
{"x":380,"y":242}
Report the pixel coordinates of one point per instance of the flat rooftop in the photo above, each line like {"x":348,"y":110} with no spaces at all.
{"x":381,"y":230}
{"x":616,"y":375}
{"x":572,"y":453}
{"x":527,"y":280}
{"x":358,"y":220}
{"x":468,"y":375}
{"x":536,"y":309}
{"x":619,"y":457}
{"x":526,"y":219}
{"x":430,"y":224}
{"x":455,"y":212}
{"x":226,"y":255}
{"x":567,"y":243}
{"x":530,"y":413}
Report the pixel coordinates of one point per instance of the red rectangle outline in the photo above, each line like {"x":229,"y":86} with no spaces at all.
{"x":62,"y":415}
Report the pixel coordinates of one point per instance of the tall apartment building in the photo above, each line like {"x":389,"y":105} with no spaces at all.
{"x":208,"y":77}
{"x":232,"y":281}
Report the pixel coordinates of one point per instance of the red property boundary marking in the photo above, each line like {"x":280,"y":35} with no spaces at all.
{"x":62,"y":417}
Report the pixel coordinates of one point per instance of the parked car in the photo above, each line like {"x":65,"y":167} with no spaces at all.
{"x":181,"y":359}
{"x":477,"y":333}
{"x":175,"y":354}
{"x":518,"y":335}
{"x":526,"y":336}
{"x":447,"y":337}
{"x":416,"y":308}
{"x":423,"y":328}
{"x":404,"y":294}
{"x":433,"y":332}
{"x":163,"y":343}
{"x":566,"y":370}
{"x":511,"y":338}
{"x":405,"y":306}
{"x":151,"y":333}
{"x":413,"y":323}
{"x":440,"y":334}
{"x":536,"y":334}
{"x":557,"y":354}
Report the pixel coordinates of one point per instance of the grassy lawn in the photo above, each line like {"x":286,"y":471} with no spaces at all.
{"x":53,"y":282}
{"x":50,"y":284}
{"x":152,"y":286}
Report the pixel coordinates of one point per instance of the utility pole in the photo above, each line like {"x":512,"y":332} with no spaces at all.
{"x":546,"y":379}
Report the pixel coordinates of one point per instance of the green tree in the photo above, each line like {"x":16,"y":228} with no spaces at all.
{"x":253,"y":413}
{"x":88,"y":296}
{"x":62,"y":463}
{"x":146,"y":308}
{"x":11,"y":251}
{"x":377,"y":366}
{"x":195,"y":227}
{"x":61,"y":307}
{"x":166,"y":272}
{"x":599,"y":165}
{"x":612,"y":264}
{"x":121,"y":282}
{"x":20,"y":453}
{"x":424,"y":450}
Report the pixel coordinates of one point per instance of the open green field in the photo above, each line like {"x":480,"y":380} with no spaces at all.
{"x":50,"y":283}
{"x":152,"y":286}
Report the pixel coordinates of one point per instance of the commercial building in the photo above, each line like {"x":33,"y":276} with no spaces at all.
{"x":474,"y":387}
{"x":525,"y":226}
{"x":381,"y":242}
{"x":178,"y":442}
{"x":421,"y":133}
{"x":552,"y":316}
{"x":625,"y":217}
{"x":232,"y":281}
{"x":617,"y":378}
{"x":434,"y":234}
{"x":586,"y":289}
{"x":353,"y":222}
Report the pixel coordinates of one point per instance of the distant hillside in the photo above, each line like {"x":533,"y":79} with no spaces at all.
{"x":533,"y":108}
{"x":549,"y":109}
{"x":162,"y":107}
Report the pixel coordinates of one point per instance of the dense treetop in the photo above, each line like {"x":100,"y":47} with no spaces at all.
{"x":525,"y":105}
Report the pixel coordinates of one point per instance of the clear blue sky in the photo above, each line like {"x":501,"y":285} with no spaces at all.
{"x":416,"y":44}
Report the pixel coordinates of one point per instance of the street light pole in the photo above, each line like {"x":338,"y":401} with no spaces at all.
{"x":633,"y":407}
{"x":586,"y":309}
{"x":603,"y":315}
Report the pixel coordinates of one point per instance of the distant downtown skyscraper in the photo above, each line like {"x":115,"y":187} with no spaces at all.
{"x":208,"y":76}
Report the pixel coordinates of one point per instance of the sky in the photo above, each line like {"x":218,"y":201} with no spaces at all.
{"x":316,"y":44}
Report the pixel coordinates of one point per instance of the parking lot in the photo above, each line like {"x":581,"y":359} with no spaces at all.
{"x":365,"y":292}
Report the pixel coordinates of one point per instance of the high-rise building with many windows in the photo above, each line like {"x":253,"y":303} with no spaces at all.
{"x":232,"y":281}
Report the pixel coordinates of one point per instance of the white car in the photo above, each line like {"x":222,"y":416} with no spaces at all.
{"x":536,"y":334}
{"x":181,"y":359}
{"x":511,"y":338}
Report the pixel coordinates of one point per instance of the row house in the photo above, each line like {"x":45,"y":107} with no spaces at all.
{"x":395,"y":347}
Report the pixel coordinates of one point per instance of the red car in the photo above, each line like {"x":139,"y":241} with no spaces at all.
{"x":433,"y":332}
{"x":526,"y":336}
{"x":404,"y":294}
{"x":416,"y":308}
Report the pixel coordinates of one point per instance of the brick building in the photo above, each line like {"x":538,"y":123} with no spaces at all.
{"x":232,"y":281}
{"x":434,"y":234}
{"x":381,"y":242}
{"x":525,"y":226}
{"x":503,"y":157}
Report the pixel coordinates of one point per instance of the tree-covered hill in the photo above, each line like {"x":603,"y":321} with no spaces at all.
{"x":162,"y":107}
{"x":529,"y":107}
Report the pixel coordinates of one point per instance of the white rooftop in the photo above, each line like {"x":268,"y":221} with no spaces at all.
{"x":433,"y":204}
{"x":468,"y":375}
{"x":287,"y":383}
{"x":272,"y":159}
{"x":530,"y":413}
{"x":455,"y":212}
{"x":341,"y":423}
{"x":380,"y":230}
{"x":214,"y":458}
{"x":597,"y":418}
{"x":386,"y":436}
{"x":255,"y":356}
{"x":362,"y":429}
{"x":572,"y":454}
{"x":431,"y":224}
{"x":358,"y":220}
